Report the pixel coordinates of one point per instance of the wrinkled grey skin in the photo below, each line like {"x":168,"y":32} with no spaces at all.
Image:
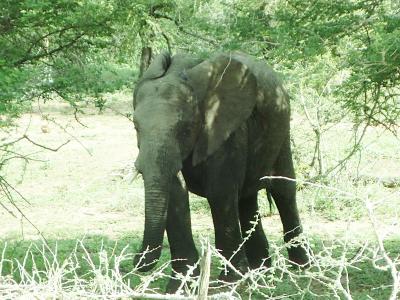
{"x":223,"y":122}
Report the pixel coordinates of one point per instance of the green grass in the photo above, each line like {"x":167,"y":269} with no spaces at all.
{"x":93,"y":255}
{"x":82,"y":258}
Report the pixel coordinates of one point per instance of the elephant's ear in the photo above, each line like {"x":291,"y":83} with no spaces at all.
{"x":229,"y":90}
{"x":158,"y":67}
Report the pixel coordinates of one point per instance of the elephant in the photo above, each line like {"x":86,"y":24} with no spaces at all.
{"x":223,"y":122}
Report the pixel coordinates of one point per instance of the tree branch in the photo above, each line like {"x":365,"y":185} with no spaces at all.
{"x":59,"y":31}
{"x":158,"y":15}
{"x":45,"y":147}
{"x":48,"y":53}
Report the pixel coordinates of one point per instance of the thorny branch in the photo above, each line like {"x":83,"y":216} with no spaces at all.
{"x":7,"y":190}
{"x":356,"y":146}
{"x":390,"y":264}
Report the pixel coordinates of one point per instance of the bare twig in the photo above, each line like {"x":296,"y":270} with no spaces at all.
{"x":390,"y":264}
{"x":76,"y":117}
{"x":316,"y":127}
{"x":11,"y":142}
{"x":341,"y":163}
{"x":5,"y":186}
{"x":46,"y":147}
{"x":68,"y":133}
{"x":128,"y":116}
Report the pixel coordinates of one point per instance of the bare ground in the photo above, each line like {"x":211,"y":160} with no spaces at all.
{"x":84,"y":187}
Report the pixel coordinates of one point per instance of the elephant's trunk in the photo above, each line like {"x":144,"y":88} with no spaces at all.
{"x":157,"y":172}
{"x":156,"y":207}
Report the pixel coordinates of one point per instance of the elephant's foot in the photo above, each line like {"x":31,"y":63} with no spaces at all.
{"x":227,"y":278}
{"x":259,"y":262}
{"x":230,"y":276}
{"x":175,"y":281}
{"x":241,"y":266}
{"x":298,"y":256}
{"x":145,"y":261}
{"x":173,"y":285}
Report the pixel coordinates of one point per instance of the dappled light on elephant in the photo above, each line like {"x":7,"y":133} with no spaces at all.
{"x":223,"y":123}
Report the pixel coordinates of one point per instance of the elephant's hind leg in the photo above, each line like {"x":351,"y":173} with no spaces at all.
{"x":179,"y":231}
{"x":284,"y":193}
{"x":256,"y":245}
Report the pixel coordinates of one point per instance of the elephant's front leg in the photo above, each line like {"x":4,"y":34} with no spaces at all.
{"x":228,"y":238}
{"x":179,"y":231}
{"x":257,"y":244}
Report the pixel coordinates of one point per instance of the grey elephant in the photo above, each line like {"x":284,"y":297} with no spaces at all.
{"x":224,"y":123}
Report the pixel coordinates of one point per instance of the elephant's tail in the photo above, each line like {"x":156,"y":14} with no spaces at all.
{"x":270,"y":202}
{"x":269,"y":197}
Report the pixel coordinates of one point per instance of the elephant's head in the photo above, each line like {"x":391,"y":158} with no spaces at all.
{"x":183,"y":109}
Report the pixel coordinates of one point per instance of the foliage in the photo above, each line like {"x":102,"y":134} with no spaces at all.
{"x":62,"y":48}
{"x":340,"y":60}
{"x":75,"y":41}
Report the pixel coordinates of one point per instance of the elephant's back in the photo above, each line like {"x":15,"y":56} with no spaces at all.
{"x":268,"y":126}
{"x":272,"y":96}
{"x":182,"y":61}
